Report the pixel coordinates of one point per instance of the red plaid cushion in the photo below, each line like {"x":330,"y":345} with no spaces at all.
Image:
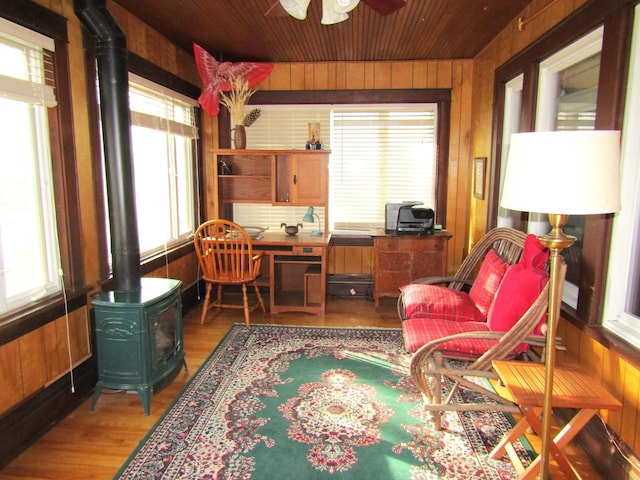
{"x":427,"y":301}
{"x":486,"y":284}
{"x":418,"y":331}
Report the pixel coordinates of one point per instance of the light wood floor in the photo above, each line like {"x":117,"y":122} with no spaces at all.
{"x":93,"y":445}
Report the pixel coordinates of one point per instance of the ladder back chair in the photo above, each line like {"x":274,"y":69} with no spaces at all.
{"x":226,"y":257}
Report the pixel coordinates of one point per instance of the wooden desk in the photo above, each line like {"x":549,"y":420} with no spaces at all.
{"x":295,"y":271}
{"x":572,"y":388}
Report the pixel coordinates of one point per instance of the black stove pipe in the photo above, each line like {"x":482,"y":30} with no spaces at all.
{"x":116,"y":127}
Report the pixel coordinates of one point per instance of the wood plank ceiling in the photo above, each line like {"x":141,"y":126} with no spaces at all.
{"x":260,"y":30}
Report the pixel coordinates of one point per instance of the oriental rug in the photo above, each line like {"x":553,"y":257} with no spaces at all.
{"x":281,"y":402}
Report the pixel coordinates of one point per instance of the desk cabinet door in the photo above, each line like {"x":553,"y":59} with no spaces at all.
{"x":310,"y":185}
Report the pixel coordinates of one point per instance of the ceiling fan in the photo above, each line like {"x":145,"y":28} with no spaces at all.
{"x":333,"y":11}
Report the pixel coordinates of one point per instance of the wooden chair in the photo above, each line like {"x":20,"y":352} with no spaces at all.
{"x":448,"y":344}
{"x":226,"y":257}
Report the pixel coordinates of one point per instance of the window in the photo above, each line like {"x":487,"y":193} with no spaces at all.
{"x":163,"y":135}
{"x":29,"y":250}
{"x":510,"y":125}
{"x":567,"y":93}
{"x":622,"y":301}
{"x":379,"y":153}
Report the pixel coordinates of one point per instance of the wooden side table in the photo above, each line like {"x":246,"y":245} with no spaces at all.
{"x":572,"y":388}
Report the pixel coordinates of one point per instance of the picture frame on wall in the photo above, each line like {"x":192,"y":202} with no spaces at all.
{"x":479,"y":174}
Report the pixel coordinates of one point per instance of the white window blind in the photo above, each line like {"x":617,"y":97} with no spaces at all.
{"x":162,"y":133}
{"x":155,"y":107}
{"x":26,"y":69}
{"x":379,"y":154}
{"x":282,"y":127}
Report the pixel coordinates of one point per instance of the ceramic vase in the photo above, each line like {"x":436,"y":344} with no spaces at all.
{"x":239,"y":137}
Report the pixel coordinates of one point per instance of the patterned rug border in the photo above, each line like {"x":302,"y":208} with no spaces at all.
{"x":274,"y":327}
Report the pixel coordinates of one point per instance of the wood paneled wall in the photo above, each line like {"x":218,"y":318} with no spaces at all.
{"x":40,"y":357}
{"x":350,"y":260}
{"x":620,"y":377}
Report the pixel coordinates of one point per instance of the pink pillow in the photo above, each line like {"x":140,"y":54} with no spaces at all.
{"x":520,"y":286}
{"x":486,"y":284}
{"x":429,"y":301}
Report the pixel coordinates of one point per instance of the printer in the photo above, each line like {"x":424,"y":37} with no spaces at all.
{"x":407,"y":218}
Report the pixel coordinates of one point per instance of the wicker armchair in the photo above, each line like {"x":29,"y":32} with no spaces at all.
{"x":460,"y":342}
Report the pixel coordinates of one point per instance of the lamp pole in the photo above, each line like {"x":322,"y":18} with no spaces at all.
{"x":555,"y":241}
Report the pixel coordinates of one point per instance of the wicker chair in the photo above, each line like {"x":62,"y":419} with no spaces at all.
{"x":458,"y":348}
{"x":226,"y":257}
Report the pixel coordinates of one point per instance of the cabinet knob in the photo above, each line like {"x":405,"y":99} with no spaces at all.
{"x":295,"y":179}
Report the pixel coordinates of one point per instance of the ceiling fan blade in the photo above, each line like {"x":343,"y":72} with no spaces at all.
{"x":385,"y":7}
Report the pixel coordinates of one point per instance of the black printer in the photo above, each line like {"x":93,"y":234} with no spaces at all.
{"x":408,"y":219}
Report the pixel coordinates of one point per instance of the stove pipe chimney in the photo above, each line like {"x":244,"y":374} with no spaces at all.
{"x":116,"y":127}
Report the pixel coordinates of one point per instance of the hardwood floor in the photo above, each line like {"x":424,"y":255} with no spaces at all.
{"x":93,"y":445}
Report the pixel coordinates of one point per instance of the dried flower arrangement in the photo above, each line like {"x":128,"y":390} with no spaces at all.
{"x":235,"y":101}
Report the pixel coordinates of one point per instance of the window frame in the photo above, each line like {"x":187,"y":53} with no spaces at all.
{"x":546,"y":116}
{"x":439,"y":96}
{"x":616,"y":318}
{"x":610,"y":104}
{"x":145,"y":69}
{"x":145,"y":120}
{"x":63,"y":159}
{"x":283,"y":127}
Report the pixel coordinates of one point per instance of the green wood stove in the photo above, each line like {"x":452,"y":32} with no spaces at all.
{"x":139,"y":338}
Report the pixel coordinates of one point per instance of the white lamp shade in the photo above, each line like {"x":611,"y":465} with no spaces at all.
{"x":564,"y":172}
{"x":296,"y":8}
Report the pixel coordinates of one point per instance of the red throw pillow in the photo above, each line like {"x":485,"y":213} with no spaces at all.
{"x":429,"y":301}
{"x":520,"y":286}
{"x":486,"y":284}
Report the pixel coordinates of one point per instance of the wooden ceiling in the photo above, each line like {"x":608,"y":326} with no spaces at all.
{"x":260,"y":30}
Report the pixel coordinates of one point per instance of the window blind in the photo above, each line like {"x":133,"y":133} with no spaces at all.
{"x":282,"y":127}
{"x":379,"y":154}
{"x":26,"y":72}
{"x":153,"y":106}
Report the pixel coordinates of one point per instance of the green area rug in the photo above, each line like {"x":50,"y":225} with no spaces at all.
{"x":280,"y":402}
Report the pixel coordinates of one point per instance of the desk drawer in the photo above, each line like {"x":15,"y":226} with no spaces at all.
{"x":301,"y":250}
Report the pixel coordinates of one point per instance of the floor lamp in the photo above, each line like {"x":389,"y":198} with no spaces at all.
{"x":560,"y":173}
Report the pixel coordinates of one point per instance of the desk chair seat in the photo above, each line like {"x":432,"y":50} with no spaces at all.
{"x":225,"y":254}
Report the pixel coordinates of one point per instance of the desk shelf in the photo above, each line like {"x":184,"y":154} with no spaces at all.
{"x":298,"y":283}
